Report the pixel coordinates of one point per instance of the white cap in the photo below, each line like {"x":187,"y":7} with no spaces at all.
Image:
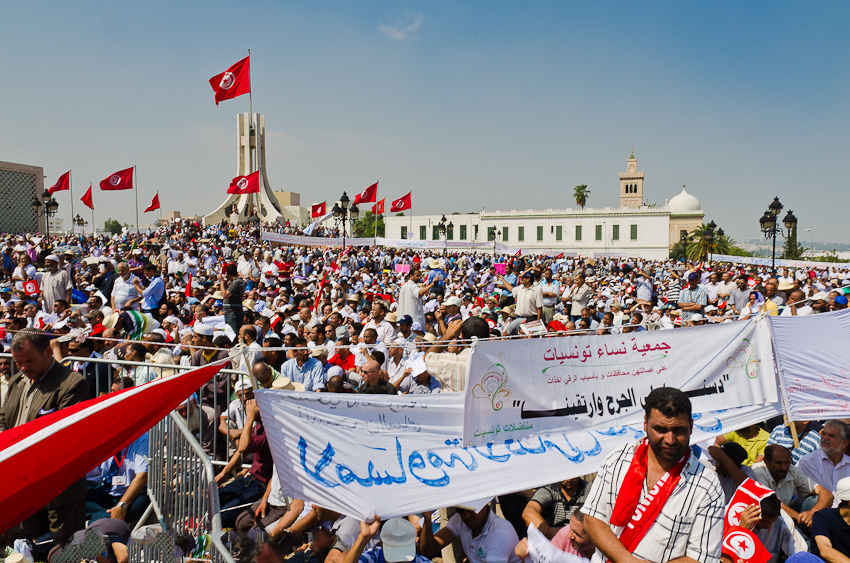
{"x":453,"y":300}
{"x":203,"y":330}
{"x":398,"y":537}
{"x":842,"y":489}
{"x":697,"y":317}
{"x":52,"y":257}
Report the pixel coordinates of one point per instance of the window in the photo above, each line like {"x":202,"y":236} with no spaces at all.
{"x":504,"y":234}
{"x":520,"y":234}
{"x":423,"y":232}
{"x":578,"y":232}
{"x":463,"y":232}
{"x":450,"y":233}
{"x":476,"y":232}
{"x":634,"y":232}
{"x":435,"y":232}
{"x":559,"y":233}
{"x":615,"y":232}
{"x":598,"y":232}
{"x":404,"y":232}
{"x":539,"y":233}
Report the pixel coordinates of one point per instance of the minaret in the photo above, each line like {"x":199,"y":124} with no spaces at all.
{"x":631,"y":184}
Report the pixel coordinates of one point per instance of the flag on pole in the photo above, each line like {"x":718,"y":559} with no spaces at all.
{"x":378,"y":208}
{"x":86,"y":199}
{"x":189,"y":285}
{"x":401,"y":203}
{"x":249,"y":184}
{"x":62,"y":184}
{"x":518,"y":252}
{"x":61,"y":447}
{"x":233,"y":82}
{"x":154,"y":204}
{"x":319,"y":209}
{"x":121,"y":180}
{"x":368,"y":195}
{"x":321,"y":289}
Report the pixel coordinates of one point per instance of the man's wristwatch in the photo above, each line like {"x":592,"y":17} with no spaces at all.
{"x":122,"y":504}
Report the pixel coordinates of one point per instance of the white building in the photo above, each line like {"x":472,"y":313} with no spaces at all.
{"x":633,"y":229}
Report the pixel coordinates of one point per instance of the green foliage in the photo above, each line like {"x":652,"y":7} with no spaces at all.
{"x":679,"y":251}
{"x":793,"y":250}
{"x":698,"y":247}
{"x":580,"y":193}
{"x":365,"y":226}
{"x":397,"y":214}
{"x":112,"y":226}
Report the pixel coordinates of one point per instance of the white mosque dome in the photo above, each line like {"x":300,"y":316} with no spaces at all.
{"x":683,"y":203}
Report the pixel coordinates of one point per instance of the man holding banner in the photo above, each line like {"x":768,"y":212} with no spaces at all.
{"x":653,"y":500}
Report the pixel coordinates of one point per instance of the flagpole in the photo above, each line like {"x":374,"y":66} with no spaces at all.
{"x":136,"y":189}
{"x":71,"y":189}
{"x":375,"y":242}
{"x":93,"y":228}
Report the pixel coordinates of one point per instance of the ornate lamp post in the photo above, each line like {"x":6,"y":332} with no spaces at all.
{"x":342,"y":214}
{"x":443,"y":229}
{"x":50,"y":207}
{"x":770,"y":229}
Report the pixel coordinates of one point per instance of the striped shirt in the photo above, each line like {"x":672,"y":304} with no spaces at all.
{"x":782,"y":435}
{"x":690,"y":523}
{"x":689,"y":295}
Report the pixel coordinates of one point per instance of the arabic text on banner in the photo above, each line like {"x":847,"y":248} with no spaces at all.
{"x":813,"y":357}
{"x":546,"y":385}
{"x":400,"y":455}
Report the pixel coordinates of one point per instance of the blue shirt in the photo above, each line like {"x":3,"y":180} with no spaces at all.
{"x":153,"y":293}
{"x":310,"y":374}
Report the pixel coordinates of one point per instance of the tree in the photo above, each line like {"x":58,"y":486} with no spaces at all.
{"x":365,"y":226}
{"x":793,"y":250}
{"x":112,"y":226}
{"x":580,"y":193}
{"x":698,"y":247}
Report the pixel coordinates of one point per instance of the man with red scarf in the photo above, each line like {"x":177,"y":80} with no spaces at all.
{"x":653,"y":500}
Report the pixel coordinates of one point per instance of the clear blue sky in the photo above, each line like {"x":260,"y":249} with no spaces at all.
{"x":502,"y":105}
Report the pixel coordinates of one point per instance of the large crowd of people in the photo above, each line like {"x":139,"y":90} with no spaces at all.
{"x":384,"y":320}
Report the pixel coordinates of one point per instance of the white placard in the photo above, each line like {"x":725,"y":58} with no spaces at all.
{"x":541,"y":549}
{"x":546,"y":385}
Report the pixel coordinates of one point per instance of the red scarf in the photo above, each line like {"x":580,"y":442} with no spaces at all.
{"x":638,"y":515}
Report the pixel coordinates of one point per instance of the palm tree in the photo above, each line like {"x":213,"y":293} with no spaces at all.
{"x":698,"y":247}
{"x":580,"y":193}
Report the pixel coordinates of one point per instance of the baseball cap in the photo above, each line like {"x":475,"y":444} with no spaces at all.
{"x":453,"y":300}
{"x":841,"y":300}
{"x":842,"y":489}
{"x":406,"y":319}
{"x":693,"y":276}
{"x":398,"y":537}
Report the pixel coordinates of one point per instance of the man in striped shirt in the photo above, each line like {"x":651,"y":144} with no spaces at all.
{"x":653,"y":500}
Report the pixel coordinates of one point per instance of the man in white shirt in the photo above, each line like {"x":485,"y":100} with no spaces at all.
{"x":829,"y":464}
{"x":386,"y":332}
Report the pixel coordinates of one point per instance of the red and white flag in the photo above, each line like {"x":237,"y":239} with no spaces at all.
{"x":321,"y":290}
{"x":61,"y":447}
{"x":154,"y":203}
{"x":233,"y":82}
{"x":749,"y":492}
{"x":249,"y":184}
{"x":121,"y":180}
{"x":189,"y":284}
{"x":87,"y":199}
{"x":31,"y":287}
{"x":518,"y":252}
{"x":401,"y":203}
{"x":740,"y":544}
{"x":378,"y":208}
{"x":368,"y":196}
{"x":62,"y":184}
{"x":319,"y":209}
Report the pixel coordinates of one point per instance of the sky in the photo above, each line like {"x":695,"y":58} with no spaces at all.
{"x":471,"y":105}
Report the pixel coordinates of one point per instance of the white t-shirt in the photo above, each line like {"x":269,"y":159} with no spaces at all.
{"x":495,"y":543}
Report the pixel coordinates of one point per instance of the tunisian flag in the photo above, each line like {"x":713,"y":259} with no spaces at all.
{"x":368,"y":195}
{"x":249,"y":184}
{"x":61,"y":447}
{"x":401,"y":203}
{"x":233,"y":82}
{"x":87,"y":199}
{"x":319,"y":209}
{"x":62,"y":184}
{"x":154,"y":204}
{"x":378,"y":208}
{"x":121,"y":180}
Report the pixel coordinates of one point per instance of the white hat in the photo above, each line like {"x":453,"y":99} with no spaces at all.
{"x":52,"y":257}
{"x":398,"y":537}
{"x":697,"y":317}
{"x":453,"y":300}
{"x":203,"y":330}
{"x":242,"y":385}
{"x":286,"y":384}
{"x":842,"y":489}
{"x":417,"y":366}
{"x":171,"y":319}
{"x":710,"y":308}
{"x":319,"y":351}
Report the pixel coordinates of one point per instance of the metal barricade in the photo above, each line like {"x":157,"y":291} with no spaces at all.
{"x":183,"y":493}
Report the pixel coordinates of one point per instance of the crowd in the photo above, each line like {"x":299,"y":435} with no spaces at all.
{"x":398,"y":321}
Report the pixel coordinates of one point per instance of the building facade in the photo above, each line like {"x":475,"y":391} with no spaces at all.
{"x":19,"y":184}
{"x":633,"y":229}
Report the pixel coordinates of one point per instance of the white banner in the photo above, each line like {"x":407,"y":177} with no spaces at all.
{"x":545,"y":385}
{"x":541,"y":550}
{"x":813,"y":357}
{"x":397,"y":455}
{"x":782,"y":263}
{"x":309,"y":230}
{"x":316,"y":241}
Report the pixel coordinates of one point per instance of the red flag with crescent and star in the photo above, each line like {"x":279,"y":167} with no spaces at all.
{"x":121,"y":180}
{"x":233,"y":82}
{"x":378,"y":208}
{"x":86,"y":199}
{"x":401,"y":203}
{"x":62,"y":184}
{"x":368,"y":196}
{"x":154,"y":203}
{"x":319,"y":209}
{"x":249,"y":184}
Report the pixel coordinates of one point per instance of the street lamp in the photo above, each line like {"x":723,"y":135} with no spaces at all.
{"x":770,"y":229}
{"x":80,"y":222}
{"x":342,"y":214}
{"x":51,"y":206}
{"x":443,"y":229}
{"x":496,"y":235}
